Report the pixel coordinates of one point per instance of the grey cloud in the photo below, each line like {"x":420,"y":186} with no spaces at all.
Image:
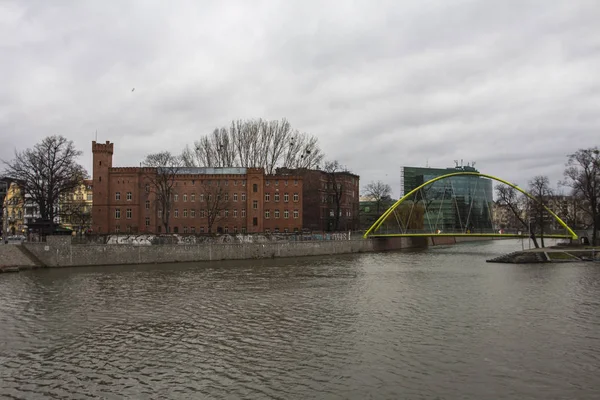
{"x":512,"y":85}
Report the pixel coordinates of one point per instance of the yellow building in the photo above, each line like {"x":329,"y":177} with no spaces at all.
{"x":14,"y":211}
{"x":75,"y":208}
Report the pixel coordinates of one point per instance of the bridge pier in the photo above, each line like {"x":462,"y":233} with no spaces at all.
{"x":399,"y":243}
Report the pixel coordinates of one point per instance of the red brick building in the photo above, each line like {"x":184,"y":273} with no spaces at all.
{"x":249,"y":200}
{"x":321,"y":192}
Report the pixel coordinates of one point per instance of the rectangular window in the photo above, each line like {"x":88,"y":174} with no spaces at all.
{"x":226,"y":182}
{"x":226,"y":196}
{"x":235,"y":229}
{"x":244,"y":182}
{"x":147,"y":188}
{"x":89,"y":197}
{"x":184,"y":199}
{"x":193,"y":229}
{"x":285,"y":182}
{"x":185,"y":229}
{"x":226,"y":213}
{"x":267,"y":197}
{"x":117,"y":213}
{"x":243,"y":229}
{"x":117,"y":228}
{"x":286,"y":214}
{"x":234,"y":183}
{"x":128,"y":213}
{"x":118,"y":196}
{"x":296,"y":214}
{"x":243,"y":212}
{"x":255,"y":221}
{"x":159,"y":213}
{"x":201,"y":196}
{"x":243,"y":196}
{"x":193,"y":212}
{"x":235,"y":212}
{"x":267,"y":231}
{"x":255,"y":204}
{"x":235,"y":196}
{"x":147,"y":221}
{"x":176,"y":213}
{"x":193,"y":197}
{"x":296,"y":197}
{"x":255,"y":187}
{"x":201,"y":229}
{"x":226,"y":230}
{"x":276,"y":214}
{"x":129,"y":196}
{"x":276,"y":182}
{"x":276,"y":197}
{"x":147,"y":204}
{"x":267,"y":214}
{"x":184,"y":212}
{"x":202,"y":213}
{"x":295,"y":182}
{"x":176,"y":197}
{"x":267,"y":183}
{"x":286,"y":198}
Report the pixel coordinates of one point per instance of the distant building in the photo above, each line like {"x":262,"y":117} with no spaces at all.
{"x":571,"y":210}
{"x":505,"y":219}
{"x":4,"y":185}
{"x":460,"y":203}
{"x":369,"y":212}
{"x":320,"y":205}
{"x":250,"y":200}
{"x":75,"y":208}
{"x":17,"y":211}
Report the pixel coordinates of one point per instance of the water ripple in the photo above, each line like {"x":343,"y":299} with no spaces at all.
{"x":437,"y":324}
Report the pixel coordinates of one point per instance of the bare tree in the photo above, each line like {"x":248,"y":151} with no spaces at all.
{"x":163,"y":170}
{"x":582,"y":175}
{"x":77,"y":213}
{"x":46,"y":171}
{"x":379,"y":192}
{"x":539,"y":188}
{"x":255,"y":143}
{"x":216,"y":197}
{"x":509,"y":197}
{"x":335,"y":188}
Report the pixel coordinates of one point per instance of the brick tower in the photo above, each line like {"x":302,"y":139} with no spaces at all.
{"x":102,"y":156}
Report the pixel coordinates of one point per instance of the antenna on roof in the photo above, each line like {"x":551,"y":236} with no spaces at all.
{"x":96,"y":135}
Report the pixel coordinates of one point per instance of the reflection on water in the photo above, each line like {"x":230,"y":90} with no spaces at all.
{"x":439,"y":323}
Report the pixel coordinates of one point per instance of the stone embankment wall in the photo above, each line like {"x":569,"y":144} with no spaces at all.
{"x":59,"y":252}
{"x":12,"y":255}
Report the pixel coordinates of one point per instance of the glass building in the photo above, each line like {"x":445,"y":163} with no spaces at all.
{"x":456,"y":204}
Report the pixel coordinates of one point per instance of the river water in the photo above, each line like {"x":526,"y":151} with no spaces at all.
{"x":433,"y":324}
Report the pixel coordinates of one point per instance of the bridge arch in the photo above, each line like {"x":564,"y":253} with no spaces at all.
{"x":390,"y":210}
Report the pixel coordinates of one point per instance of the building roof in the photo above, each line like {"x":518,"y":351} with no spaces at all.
{"x":208,"y":170}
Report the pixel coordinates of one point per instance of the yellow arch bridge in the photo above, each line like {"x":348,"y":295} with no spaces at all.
{"x":403,"y":221}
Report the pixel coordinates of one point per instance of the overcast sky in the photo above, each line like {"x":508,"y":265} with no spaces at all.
{"x":512,"y":85}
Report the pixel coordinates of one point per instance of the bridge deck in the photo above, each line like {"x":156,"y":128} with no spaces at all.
{"x":433,"y":234}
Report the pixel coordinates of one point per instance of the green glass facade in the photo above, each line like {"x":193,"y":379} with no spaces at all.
{"x":457,"y":204}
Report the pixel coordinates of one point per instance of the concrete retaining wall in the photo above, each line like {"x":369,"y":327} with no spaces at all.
{"x":59,"y":252}
{"x":11,"y":255}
